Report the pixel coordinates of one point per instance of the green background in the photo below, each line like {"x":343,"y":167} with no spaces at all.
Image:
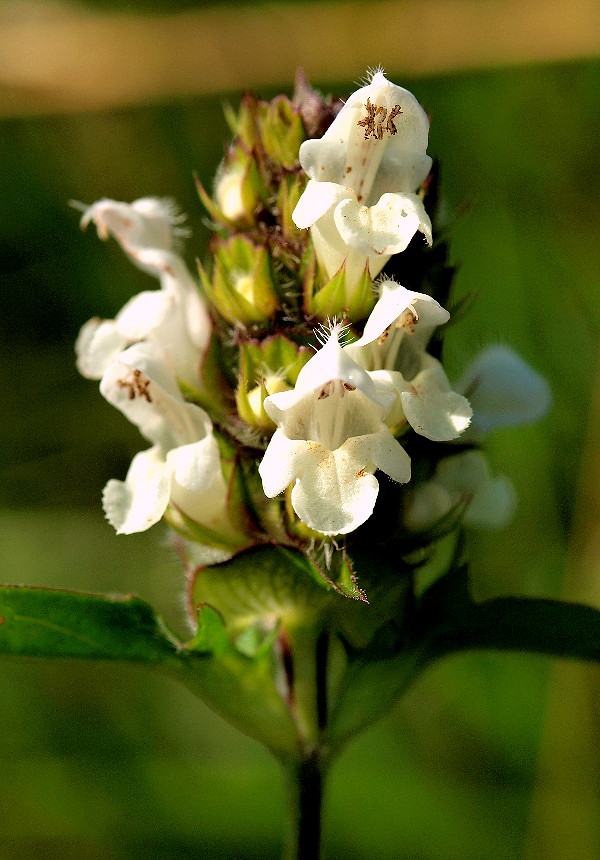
{"x":104,"y":761}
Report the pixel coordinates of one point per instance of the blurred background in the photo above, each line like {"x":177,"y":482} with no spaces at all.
{"x":488,"y":756}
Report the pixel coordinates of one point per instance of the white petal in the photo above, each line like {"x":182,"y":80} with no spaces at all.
{"x":344,"y":145}
{"x":432,"y":408}
{"x":334,"y":494}
{"x":143,"y":313}
{"x":176,"y":280}
{"x":316,"y":199}
{"x":387,"y":455}
{"x":145,"y":391}
{"x":336,"y":490}
{"x":463,"y":472}
{"x":333,"y":253}
{"x":331,"y":362}
{"x":361,"y":194}
{"x":279,"y":466}
{"x":195,"y":465}
{"x":99,"y":342}
{"x":146,"y":222}
{"x":390,"y":384}
{"x":199,"y":488}
{"x":400,"y":172}
{"x":175,"y":318}
{"x":393,"y":303}
{"x":146,"y":357}
{"x":493,"y":506}
{"x":384,"y":228}
{"x":180,"y":287}
{"x":159,"y":316}
{"x":139,"y":502}
{"x":331,"y":250}
{"x":428,"y":504}
{"x":504,"y":391}
{"x":145,"y":230}
{"x":324,"y":160}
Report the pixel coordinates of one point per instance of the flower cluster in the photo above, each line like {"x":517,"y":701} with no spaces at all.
{"x":279,"y":390}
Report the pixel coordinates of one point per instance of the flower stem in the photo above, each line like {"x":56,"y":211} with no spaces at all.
{"x":304,"y":783}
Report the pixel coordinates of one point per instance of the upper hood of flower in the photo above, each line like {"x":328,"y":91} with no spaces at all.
{"x":147,"y":222}
{"x":397,"y":331}
{"x":376,"y":144}
{"x":424,"y":314}
{"x":141,"y":385}
{"x":331,"y":362}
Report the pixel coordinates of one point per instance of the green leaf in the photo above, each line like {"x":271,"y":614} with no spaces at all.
{"x":447,"y":621}
{"x":229,"y":663}
{"x":41,"y":622}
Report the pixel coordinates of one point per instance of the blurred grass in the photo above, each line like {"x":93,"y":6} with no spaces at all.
{"x":110,"y":762}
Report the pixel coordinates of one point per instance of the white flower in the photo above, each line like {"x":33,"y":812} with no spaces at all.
{"x":174,"y":317}
{"x":330,"y":439}
{"x":465,"y":477}
{"x":392,"y":348}
{"x":360,"y":202}
{"x":183,"y":468}
{"x":504,"y":392}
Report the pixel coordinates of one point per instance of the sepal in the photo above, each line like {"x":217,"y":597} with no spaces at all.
{"x":215,"y":394}
{"x":244,"y":123}
{"x":328,"y":301}
{"x":281,"y":131}
{"x":266,"y":367}
{"x":289,"y":192}
{"x":242,"y":287}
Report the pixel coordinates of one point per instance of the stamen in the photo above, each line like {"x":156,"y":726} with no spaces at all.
{"x":327,"y":390}
{"x":408,"y":319}
{"x":374,"y":127}
{"x":137,"y":386}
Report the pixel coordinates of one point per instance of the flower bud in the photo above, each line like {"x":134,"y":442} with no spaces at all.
{"x":243,"y":287}
{"x":244,"y":124}
{"x":281,"y":131}
{"x":271,"y":384}
{"x":266,"y":368}
{"x":238,"y":191}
